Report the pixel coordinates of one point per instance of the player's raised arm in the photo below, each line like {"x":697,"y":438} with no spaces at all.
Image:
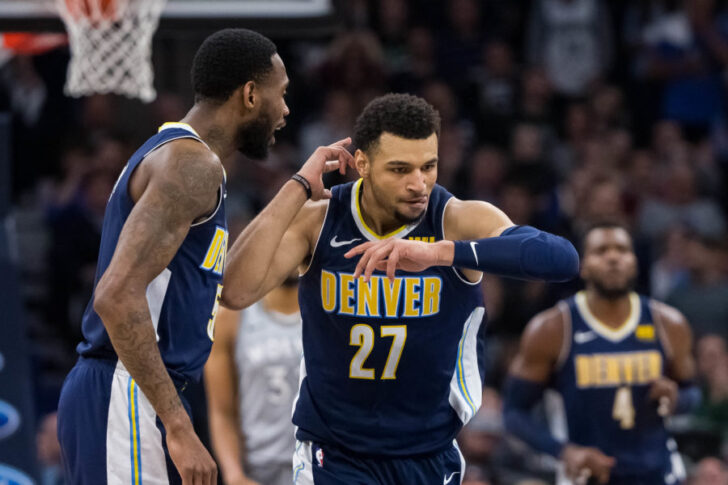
{"x":480,"y":237}
{"x":267,"y":251}
{"x":532,"y":368}
{"x":182,"y":185}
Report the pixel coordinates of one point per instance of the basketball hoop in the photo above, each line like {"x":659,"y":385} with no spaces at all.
{"x":111,"y":46}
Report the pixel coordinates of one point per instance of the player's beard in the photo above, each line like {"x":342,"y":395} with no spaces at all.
{"x":381,"y":199}
{"x":613,"y":292}
{"x":254,"y":137}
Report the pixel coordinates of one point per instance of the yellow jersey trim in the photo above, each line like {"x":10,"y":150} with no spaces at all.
{"x":609,"y":333}
{"x":178,"y":124}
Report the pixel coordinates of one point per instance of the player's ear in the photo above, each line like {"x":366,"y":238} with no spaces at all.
{"x":362,"y":163}
{"x":248,"y":95}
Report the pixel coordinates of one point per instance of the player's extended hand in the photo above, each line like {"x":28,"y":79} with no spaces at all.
{"x":393,"y":254}
{"x":189,"y":455}
{"x":323,"y":160}
{"x":664,"y":392}
{"x":581,"y":459}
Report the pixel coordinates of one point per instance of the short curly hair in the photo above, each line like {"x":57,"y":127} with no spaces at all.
{"x":403,"y":115}
{"x":228,"y":59}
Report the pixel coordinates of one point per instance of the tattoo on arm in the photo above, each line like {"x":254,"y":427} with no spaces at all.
{"x":184,"y":190}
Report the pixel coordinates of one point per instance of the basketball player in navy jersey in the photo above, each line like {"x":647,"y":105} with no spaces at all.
{"x":390,"y":368}
{"x":619,"y":363}
{"x":149,"y":326}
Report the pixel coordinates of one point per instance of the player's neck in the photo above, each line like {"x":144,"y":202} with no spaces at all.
{"x":282,"y":300}
{"x":209,"y":123}
{"x":375,"y":217}
{"x":612,"y":312}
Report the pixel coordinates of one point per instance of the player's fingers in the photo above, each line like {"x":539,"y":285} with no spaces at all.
{"x":326,"y":194}
{"x":331,"y":165}
{"x":583,"y":476}
{"x":392,"y":264}
{"x":378,"y":255}
{"x":363,"y":262}
{"x":663,"y":409}
{"x":359,"y":249}
{"x":342,"y":143}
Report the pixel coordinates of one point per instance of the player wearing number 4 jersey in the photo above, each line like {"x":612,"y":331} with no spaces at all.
{"x":390,"y":300}
{"x":148,"y":329}
{"x":619,"y":363}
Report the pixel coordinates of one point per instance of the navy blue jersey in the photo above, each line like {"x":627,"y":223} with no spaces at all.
{"x":389,"y":369}
{"x":604,"y":378}
{"x":184,"y":297}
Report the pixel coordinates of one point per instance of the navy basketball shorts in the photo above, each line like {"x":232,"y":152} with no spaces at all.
{"x":315,"y":464}
{"x":108,"y":430}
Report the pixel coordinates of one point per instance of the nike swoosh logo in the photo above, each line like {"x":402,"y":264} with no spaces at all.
{"x":472,"y":246}
{"x":447,"y":479}
{"x":336,"y":244}
{"x":584,"y":337}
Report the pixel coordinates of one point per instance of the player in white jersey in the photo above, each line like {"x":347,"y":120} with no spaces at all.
{"x":252,"y":378}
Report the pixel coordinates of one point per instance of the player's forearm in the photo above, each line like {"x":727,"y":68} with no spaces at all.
{"x":226,"y":444}
{"x":521,"y":396}
{"x":251,"y":256}
{"x":520,"y":252}
{"x":129,"y":325}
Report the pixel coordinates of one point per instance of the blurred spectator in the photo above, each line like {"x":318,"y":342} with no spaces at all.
{"x":571,"y":39}
{"x":391,"y":26}
{"x":419,"y":64}
{"x":75,"y":226}
{"x":355,"y":64}
{"x":679,"y":202}
{"x":335,"y":122}
{"x":686,"y":49}
{"x":536,"y":97}
{"x":460,"y":44}
{"x":494,"y":88}
{"x":710,"y":471}
{"x":703,"y":297}
{"x":670,"y":271}
{"x":487,"y":168}
{"x":712,"y":360}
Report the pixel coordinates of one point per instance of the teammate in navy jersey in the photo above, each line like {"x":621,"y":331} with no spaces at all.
{"x":149,"y":326}
{"x":390,"y":367}
{"x":619,"y":363}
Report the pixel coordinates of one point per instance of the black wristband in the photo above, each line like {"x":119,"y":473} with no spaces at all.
{"x":302,"y":180}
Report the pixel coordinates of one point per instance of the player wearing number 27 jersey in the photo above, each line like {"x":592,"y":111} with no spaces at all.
{"x":391,"y":306}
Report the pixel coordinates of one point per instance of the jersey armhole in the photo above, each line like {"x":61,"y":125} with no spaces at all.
{"x":316,"y":245}
{"x":660,"y":328}
{"x":458,"y":274}
{"x":566,"y":337}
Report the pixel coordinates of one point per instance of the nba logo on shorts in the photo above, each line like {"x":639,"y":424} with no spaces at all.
{"x":320,"y":457}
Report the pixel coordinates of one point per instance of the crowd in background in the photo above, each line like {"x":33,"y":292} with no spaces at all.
{"x":563,"y":113}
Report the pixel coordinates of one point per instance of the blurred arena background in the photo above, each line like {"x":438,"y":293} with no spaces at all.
{"x":562,"y":112}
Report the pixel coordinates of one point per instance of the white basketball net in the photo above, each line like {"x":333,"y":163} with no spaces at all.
{"x":111,"y":46}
